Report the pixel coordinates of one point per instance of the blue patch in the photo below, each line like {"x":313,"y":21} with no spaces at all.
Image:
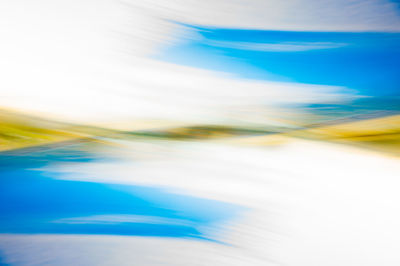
{"x":365,"y":62}
{"x":32,"y":202}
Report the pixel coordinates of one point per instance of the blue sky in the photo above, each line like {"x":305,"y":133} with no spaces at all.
{"x":366,"y":62}
{"x":318,"y":50}
{"x":37,"y":201}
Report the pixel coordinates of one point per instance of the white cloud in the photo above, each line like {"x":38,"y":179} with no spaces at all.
{"x":124,"y":218}
{"x":87,"y":60}
{"x":276,"y":47}
{"x":297,"y":15}
{"x":152,"y":90}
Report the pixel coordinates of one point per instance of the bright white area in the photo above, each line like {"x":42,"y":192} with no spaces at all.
{"x":309,"y":203}
{"x":87,"y":61}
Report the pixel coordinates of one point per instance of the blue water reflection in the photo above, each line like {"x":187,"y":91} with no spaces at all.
{"x":34,"y":202}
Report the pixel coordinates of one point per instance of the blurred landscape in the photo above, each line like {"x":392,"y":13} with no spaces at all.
{"x":178,"y":132}
{"x":371,"y":123}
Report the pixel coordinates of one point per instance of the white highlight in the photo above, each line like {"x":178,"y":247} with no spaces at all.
{"x":123,"y":218}
{"x":276,"y":47}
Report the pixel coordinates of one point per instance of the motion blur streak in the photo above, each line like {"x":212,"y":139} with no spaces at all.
{"x":224,"y":132}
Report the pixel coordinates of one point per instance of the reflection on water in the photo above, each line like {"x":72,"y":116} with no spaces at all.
{"x":34,"y":201}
